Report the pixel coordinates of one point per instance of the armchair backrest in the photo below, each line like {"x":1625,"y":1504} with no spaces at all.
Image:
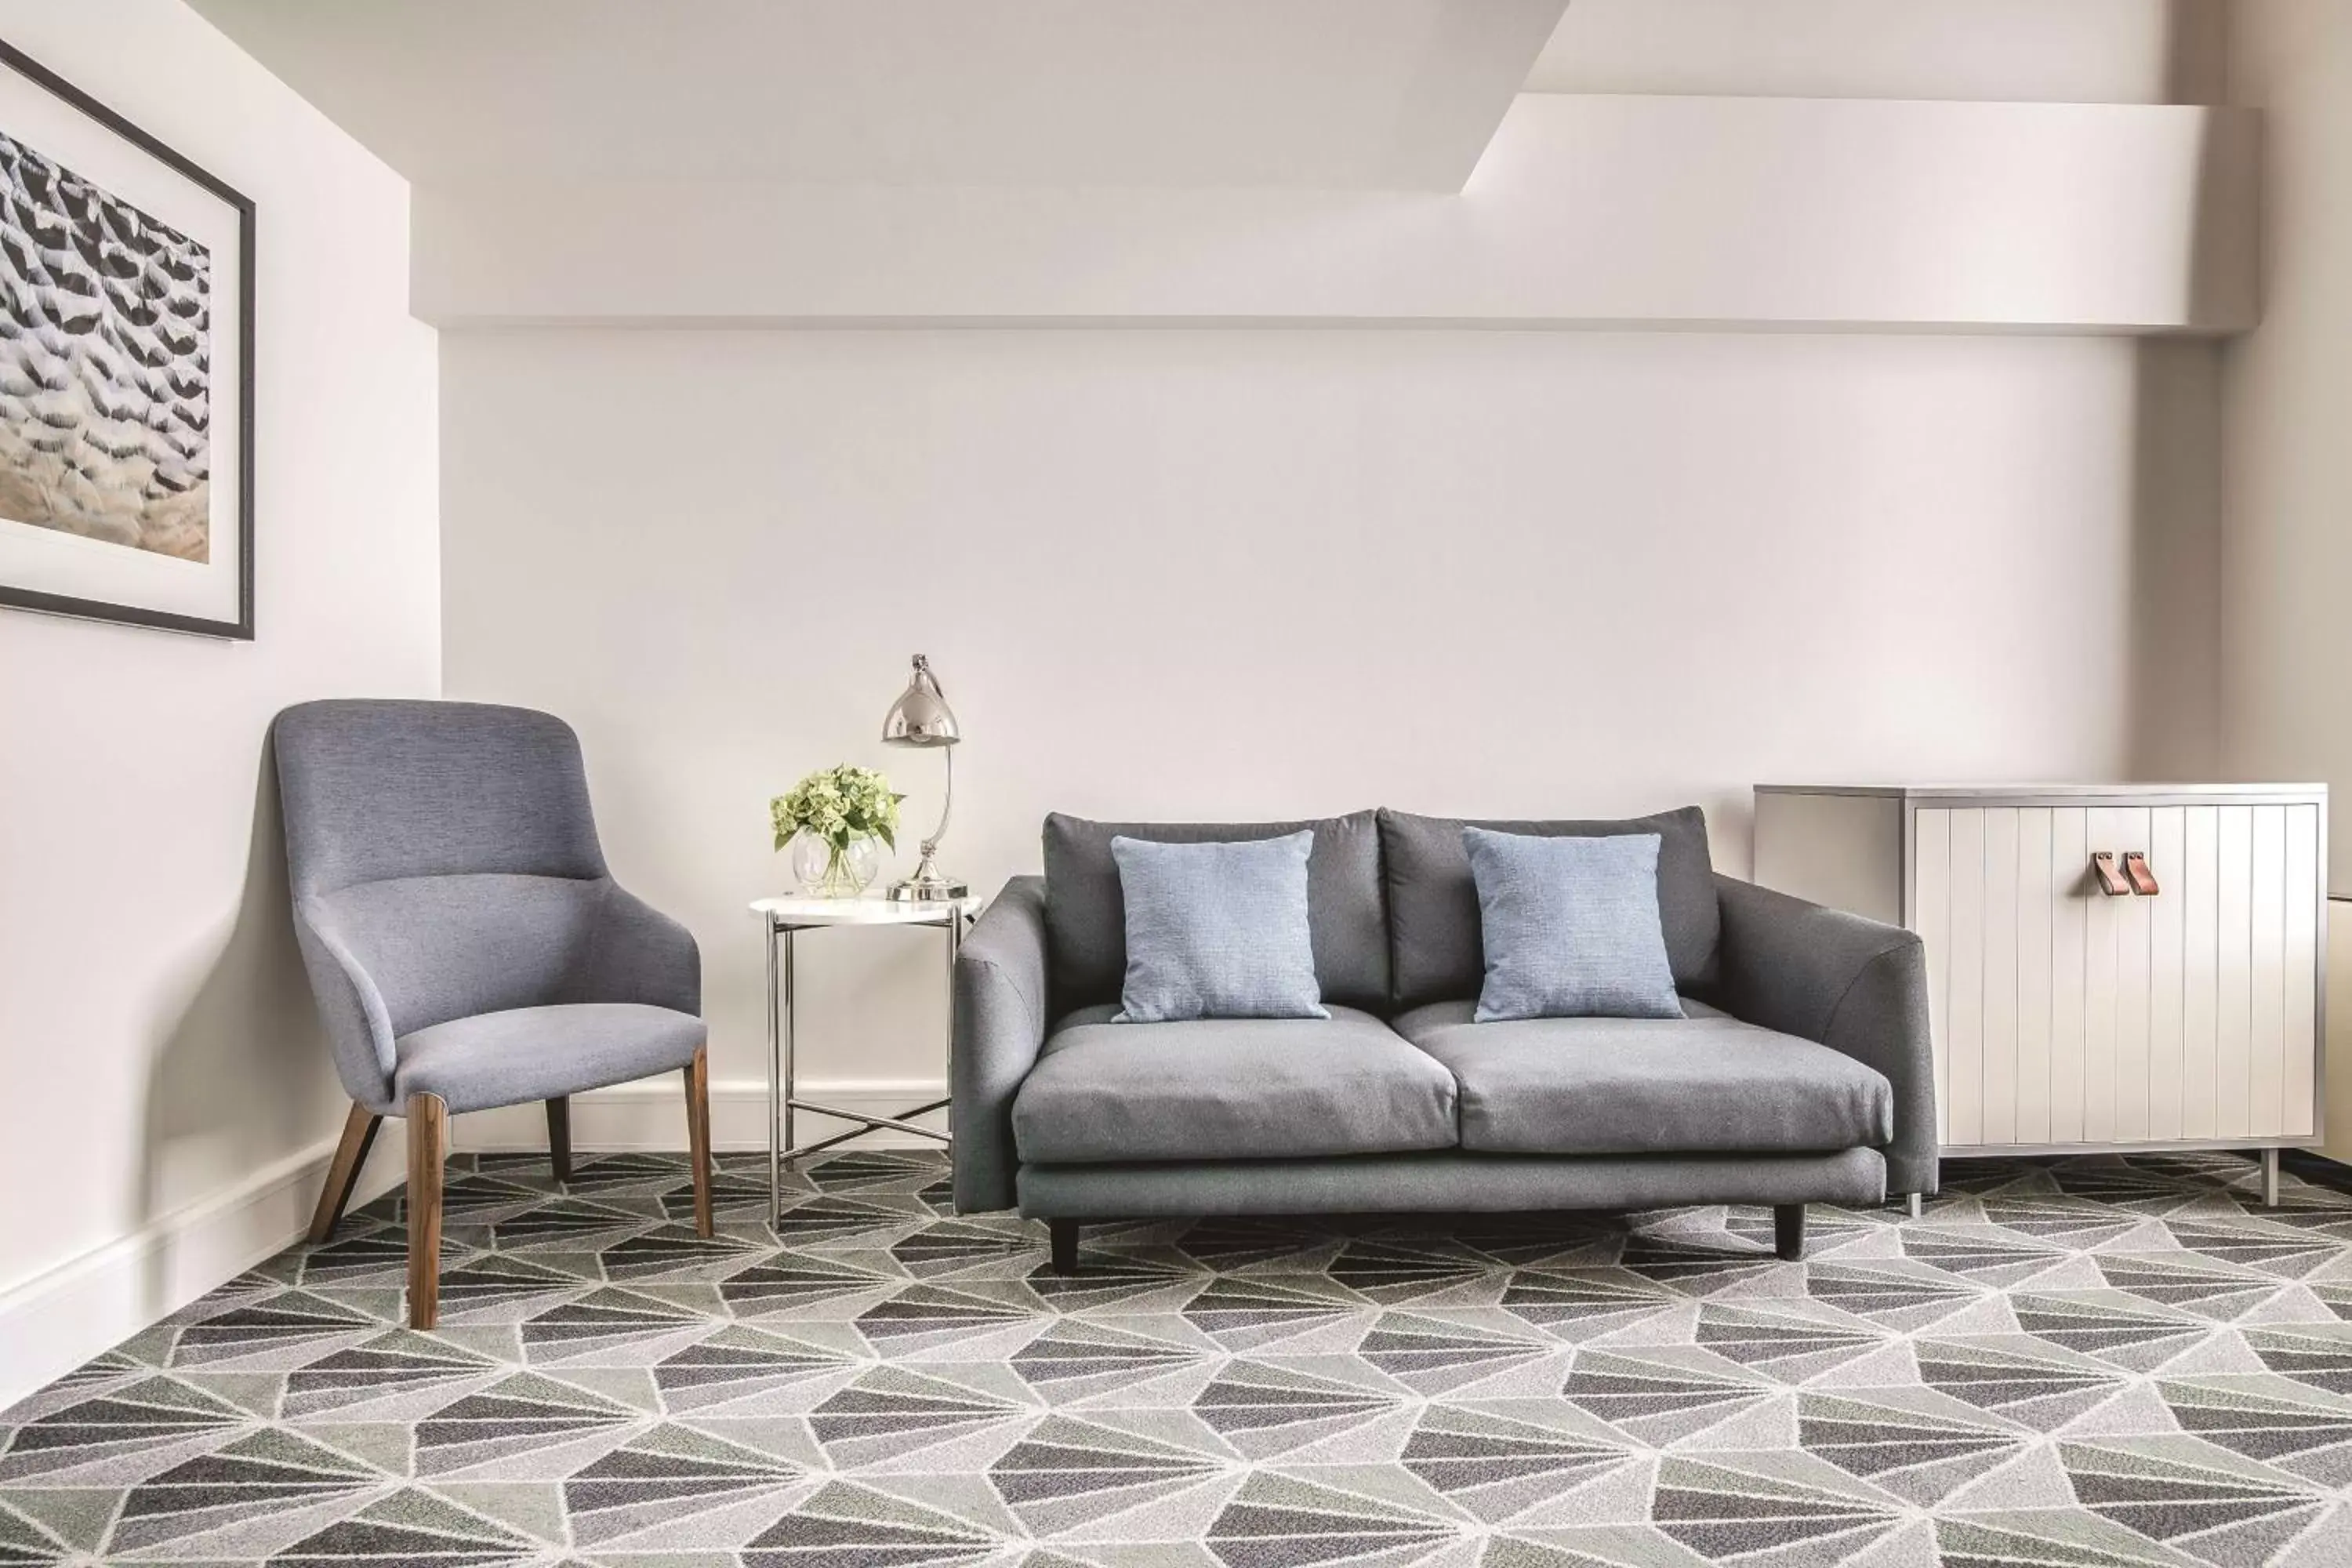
{"x":377,"y":790}
{"x":444,"y":862}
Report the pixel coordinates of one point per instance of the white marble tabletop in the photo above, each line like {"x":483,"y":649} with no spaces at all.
{"x":867,"y":909}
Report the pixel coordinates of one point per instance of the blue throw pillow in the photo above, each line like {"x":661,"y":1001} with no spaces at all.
{"x":1570,"y":927}
{"x":1217,"y":931}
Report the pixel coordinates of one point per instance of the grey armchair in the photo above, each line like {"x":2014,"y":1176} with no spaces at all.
{"x":466,"y":944}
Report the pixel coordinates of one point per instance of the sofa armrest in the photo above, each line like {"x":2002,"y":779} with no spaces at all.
{"x":1000,"y":1026}
{"x":1850,"y":983}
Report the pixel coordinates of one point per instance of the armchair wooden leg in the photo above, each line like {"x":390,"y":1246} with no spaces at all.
{"x":428,"y":1135}
{"x":1062,"y":1236}
{"x":1788,"y":1230}
{"x":559,"y":1136}
{"x":343,"y":1174}
{"x":698,"y":1136}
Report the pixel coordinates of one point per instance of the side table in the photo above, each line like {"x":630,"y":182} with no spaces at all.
{"x":780,"y":919}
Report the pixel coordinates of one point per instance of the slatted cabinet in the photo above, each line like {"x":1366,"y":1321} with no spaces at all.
{"x":2068,"y":1019}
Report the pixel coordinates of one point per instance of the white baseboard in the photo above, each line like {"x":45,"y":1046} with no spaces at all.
{"x":83,"y":1307}
{"x":651,"y":1114}
{"x":65,"y":1314}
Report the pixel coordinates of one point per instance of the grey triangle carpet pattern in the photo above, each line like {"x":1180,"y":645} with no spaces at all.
{"x":2114,"y":1361}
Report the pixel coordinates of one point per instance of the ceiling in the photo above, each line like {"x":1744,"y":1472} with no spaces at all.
{"x":1399,"y":94}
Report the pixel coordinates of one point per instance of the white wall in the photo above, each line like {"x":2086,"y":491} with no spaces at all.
{"x":2055,"y":51}
{"x":166,"y":1091}
{"x":2289,"y":397}
{"x":1182,"y":573}
{"x":1749,"y":212}
{"x":2288,"y":550}
{"x":1218,"y":567}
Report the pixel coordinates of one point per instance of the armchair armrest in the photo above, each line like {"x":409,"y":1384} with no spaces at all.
{"x":358,"y":1025}
{"x":640,"y":954}
{"x":1850,"y":983}
{"x":999,"y":1027}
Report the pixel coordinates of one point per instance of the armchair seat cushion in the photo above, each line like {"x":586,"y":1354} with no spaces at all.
{"x":541,"y":1053}
{"x":1229,"y":1089}
{"x":1702,"y":1084}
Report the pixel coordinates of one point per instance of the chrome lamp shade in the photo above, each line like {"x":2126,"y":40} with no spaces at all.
{"x":922,"y":718}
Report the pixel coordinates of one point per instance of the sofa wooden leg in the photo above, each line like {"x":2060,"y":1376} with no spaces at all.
{"x":1065,"y":1236}
{"x":343,"y":1175}
{"x":1788,"y":1230}
{"x":428,"y":1132}
{"x":698,"y":1136}
{"x":559,"y":1137}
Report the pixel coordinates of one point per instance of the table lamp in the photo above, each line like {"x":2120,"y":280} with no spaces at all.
{"x":921,"y":717}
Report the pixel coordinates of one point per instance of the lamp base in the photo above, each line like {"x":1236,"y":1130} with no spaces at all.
{"x":926,"y":890}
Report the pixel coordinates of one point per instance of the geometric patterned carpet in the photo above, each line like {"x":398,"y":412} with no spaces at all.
{"x":2095,"y":1361}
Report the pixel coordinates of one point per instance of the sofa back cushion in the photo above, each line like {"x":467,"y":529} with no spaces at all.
{"x":1435,"y":951}
{"x":1085,"y":917}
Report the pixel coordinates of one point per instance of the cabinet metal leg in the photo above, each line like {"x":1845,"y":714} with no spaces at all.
{"x":2269,"y":1178}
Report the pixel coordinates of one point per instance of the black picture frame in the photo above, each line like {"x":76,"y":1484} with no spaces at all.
{"x":241,"y":629}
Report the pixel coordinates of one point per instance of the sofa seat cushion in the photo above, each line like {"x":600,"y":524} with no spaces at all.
{"x":1707,"y":1083}
{"x":1229,"y":1089}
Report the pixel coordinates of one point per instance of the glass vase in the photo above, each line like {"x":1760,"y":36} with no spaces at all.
{"x":827,"y":872}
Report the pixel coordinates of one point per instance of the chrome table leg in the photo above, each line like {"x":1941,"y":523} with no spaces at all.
{"x":775,"y":1080}
{"x":956,"y":922}
{"x":792,"y":1033}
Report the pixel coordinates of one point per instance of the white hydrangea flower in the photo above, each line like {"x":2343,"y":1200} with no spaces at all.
{"x":838,"y":805}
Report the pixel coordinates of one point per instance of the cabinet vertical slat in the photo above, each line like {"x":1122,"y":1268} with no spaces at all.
{"x":2104,"y":936}
{"x":1931,"y":917}
{"x":2200,"y":968}
{"x":2234,"y":989}
{"x":2133,"y":923}
{"x":2034,"y":952}
{"x":2301,"y":970}
{"x":2267,"y":1011}
{"x":1997,"y":1097}
{"x":2070,"y":934}
{"x":2166,"y":829}
{"x":1965,"y":1006}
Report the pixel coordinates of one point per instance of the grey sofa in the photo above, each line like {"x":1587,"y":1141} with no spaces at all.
{"x":1801,"y":1075}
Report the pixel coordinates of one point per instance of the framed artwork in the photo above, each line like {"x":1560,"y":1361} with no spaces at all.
{"x":126,"y":369}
